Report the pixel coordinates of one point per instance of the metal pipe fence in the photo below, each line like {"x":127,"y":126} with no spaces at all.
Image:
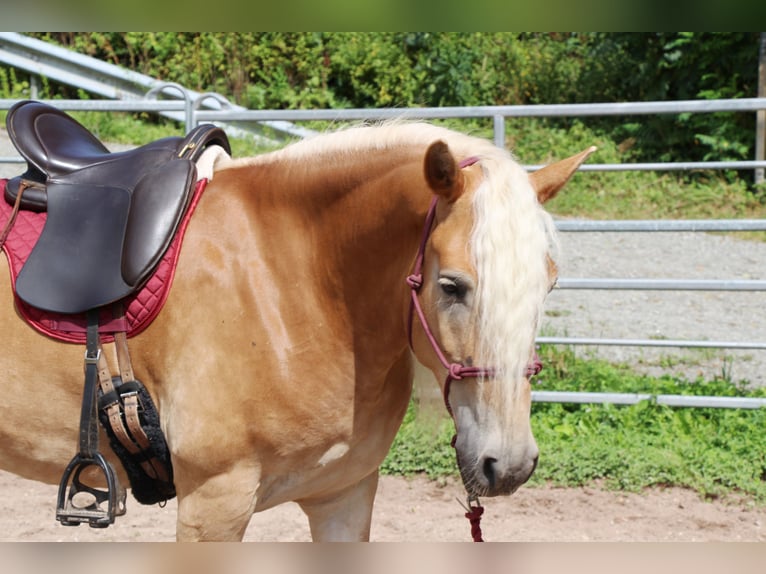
{"x":634,"y":225}
{"x":635,"y":398}
{"x":653,"y":284}
{"x":191,"y":105}
{"x":194,"y":114}
{"x":497,"y":113}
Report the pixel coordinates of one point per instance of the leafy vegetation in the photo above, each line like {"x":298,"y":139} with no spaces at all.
{"x":265,"y":70}
{"x":717,"y":452}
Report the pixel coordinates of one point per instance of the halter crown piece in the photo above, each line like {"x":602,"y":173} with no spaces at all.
{"x":455,"y":371}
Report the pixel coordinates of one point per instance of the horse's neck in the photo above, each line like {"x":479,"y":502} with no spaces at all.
{"x":363,"y":203}
{"x":349,"y":234}
{"x":370,"y":218}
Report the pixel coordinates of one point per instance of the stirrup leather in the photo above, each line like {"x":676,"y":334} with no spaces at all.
{"x":77,"y":501}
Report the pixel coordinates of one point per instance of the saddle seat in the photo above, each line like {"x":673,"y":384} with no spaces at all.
{"x":110,"y":216}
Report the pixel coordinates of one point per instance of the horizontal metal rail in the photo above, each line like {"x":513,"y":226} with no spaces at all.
{"x":635,"y":398}
{"x":653,"y":225}
{"x":663,"y":284}
{"x":664,"y":343}
{"x":498,"y":114}
{"x":136,"y":105}
{"x":602,"y":167}
{"x":541,"y":110}
{"x":667,"y":166}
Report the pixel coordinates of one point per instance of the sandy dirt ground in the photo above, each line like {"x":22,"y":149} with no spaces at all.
{"x":420,"y":510}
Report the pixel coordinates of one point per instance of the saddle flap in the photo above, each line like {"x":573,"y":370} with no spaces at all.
{"x":154,"y":216}
{"x":75,"y":265}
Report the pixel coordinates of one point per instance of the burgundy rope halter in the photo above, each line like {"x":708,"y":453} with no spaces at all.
{"x":455,"y":371}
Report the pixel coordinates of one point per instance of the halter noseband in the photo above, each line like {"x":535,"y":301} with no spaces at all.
{"x":455,"y":371}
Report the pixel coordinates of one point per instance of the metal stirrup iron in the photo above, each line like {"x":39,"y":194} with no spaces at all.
{"x":77,"y":501}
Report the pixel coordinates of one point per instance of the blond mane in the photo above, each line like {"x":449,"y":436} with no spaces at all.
{"x":511,"y":236}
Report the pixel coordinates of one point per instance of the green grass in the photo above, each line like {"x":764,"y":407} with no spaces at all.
{"x":717,"y":452}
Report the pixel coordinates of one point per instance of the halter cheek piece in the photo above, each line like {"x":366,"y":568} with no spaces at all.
{"x":455,"y":371}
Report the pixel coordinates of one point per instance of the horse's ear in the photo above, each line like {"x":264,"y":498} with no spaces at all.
{"x":548,"y":180}
{"x":442,"y":171}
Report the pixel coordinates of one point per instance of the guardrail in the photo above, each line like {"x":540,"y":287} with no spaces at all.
{"x":113,"y":82}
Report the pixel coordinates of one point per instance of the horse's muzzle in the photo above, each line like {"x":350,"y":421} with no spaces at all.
{"x":494,"y":476}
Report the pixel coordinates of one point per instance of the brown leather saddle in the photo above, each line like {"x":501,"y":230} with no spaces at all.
{"x":110,"y":216}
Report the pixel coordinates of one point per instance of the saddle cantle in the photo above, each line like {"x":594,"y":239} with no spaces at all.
{"x":110,"y":216}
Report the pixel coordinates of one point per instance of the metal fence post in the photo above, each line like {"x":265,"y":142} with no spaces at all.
{"x":34,"y":87}
{"x":760,"y":115}
{"x":498,"y":126}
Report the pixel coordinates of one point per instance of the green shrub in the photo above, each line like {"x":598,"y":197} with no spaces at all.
{"x":386,"y":69}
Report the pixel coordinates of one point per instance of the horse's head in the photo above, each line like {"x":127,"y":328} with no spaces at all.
{"x":486,"y":270}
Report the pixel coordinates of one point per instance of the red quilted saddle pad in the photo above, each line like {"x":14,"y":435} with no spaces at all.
{"x":140,"y":308}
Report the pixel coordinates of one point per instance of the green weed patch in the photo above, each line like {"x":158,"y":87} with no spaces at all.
{"x":717,"y":452}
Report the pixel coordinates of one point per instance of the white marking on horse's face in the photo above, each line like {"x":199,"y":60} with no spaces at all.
{"x":496,"y":451}
{"x":451,"y":285}
{"x":489,"y":323}
{"x":334,"y":453}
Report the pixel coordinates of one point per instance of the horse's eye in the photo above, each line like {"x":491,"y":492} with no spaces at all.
{"x":452,"y":287}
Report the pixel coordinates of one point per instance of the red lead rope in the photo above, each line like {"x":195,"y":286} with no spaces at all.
{"x":474,"y":516}
{"x":455,"y":371}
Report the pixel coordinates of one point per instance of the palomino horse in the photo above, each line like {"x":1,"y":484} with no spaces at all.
{"x":281,"y":364}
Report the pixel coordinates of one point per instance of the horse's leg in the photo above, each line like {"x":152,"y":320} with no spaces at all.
{"x":217,"y":509}
{"x":345,"y":515}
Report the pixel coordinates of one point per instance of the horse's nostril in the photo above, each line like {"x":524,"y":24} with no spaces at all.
{"x":489,"y":470}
